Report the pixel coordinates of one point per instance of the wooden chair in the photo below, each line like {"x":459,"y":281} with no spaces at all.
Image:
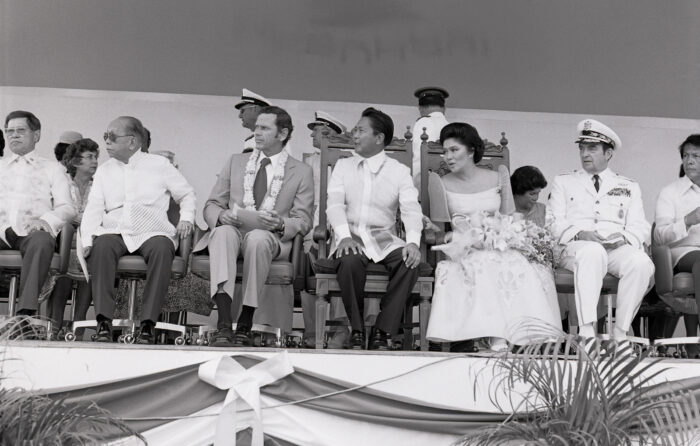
{"x":325,"y":283}
{"x":432,"y":161}
{"x":677,"y":290}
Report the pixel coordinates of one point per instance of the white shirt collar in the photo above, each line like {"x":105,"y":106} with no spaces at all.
{"x":274,"y":159}
{"x":132,"y":160}
{"x":606,"y":174}
{"x":685,"y":184}
{"x":30,"y":157}
{"x":374,"y":162}
{"x":436,"y":113}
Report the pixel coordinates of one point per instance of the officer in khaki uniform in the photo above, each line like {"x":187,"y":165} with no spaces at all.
{"x":598,"y":219}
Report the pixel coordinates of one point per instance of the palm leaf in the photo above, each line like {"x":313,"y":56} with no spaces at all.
{"x":31,"y":418}
{"x":606,"y":397}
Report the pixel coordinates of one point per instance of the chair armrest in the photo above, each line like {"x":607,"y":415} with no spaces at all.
{"x":663,"y":274}
{"x":65,"y":241}
{"x":321,"y":234}
{"x":297,"y":258}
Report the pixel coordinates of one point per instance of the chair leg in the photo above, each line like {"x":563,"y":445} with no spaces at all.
{"x":321,"y":314}
{"x":129,"y":324}
{"x":73,"y":296}
{"x":609,"y":298}
{"x":424,"y":317}
{"x":408,"y":326}
{"x":12,"y":295}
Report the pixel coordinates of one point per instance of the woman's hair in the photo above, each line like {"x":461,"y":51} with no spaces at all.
{"x":525,"y":179}
{"x":465,"y":134}
{"x":75,"y":151}
{"x":2,"y":144}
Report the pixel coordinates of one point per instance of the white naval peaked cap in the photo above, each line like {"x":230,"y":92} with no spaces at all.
{"x":590,"y":130}
{"x":250,"y":98}
{"x":323,"y":118}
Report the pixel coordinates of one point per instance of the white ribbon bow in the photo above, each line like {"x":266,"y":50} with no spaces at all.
{"x":225,"y":373}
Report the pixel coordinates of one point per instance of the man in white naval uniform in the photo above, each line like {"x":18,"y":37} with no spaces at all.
{"x":431,"y":105}
{"x":248,"y":111}
{"x":599,"y":222}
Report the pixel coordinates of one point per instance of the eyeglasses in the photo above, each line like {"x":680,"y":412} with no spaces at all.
{"x":112,"y":137}
{"x":89,"y":156}
{"x":21,"y":131}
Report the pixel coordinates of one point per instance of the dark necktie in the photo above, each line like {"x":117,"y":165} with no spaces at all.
{"x":260,"y":184}
{"x":596,"y":182}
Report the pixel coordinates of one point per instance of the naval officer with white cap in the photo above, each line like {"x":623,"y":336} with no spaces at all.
{"x":431,"y":105}
{"x":249,"y":109}
{"x":598,"y":220}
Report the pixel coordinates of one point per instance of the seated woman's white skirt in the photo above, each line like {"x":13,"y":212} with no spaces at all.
{"x":494,"y":294}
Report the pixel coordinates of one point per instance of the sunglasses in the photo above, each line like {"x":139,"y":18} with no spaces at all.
{"x":112,"y":137}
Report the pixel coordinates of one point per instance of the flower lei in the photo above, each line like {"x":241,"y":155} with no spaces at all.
{"x":270,"y":199}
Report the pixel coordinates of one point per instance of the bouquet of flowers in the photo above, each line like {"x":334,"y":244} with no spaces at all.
{"x":484,"y":231}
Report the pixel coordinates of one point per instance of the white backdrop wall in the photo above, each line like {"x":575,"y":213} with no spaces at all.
{"x":204,"y":130}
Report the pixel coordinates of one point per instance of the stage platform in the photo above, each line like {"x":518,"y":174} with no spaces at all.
{"x":386,"y":398}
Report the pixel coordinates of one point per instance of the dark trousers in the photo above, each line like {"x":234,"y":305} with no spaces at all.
{"x":59,"y":296}
{"x":352,"y":272}
{"x":158,"y":252}
{"x":690,"y":263}
{"x":37,"y":250}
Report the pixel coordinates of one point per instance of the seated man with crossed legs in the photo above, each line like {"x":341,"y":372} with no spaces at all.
{"x":278,"y":191}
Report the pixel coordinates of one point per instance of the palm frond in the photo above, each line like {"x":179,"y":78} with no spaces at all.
{"x":30,"y":418}
{"x":605,"y":396}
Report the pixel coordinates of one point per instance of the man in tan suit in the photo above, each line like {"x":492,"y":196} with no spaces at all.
{"x":260,"y":202}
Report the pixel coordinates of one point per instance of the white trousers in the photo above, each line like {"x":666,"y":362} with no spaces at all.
{"x":590,"y":262}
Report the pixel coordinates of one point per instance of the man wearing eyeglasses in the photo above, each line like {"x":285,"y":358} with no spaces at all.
{"x":35,"y":203}
{"x":127,"y":212}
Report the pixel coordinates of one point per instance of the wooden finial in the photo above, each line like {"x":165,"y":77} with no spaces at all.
{"x":424,"y":137}
{"x":408,"y":135}
{"x":504,"y":140}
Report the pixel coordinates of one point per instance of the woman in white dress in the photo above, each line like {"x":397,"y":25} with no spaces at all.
{"x":484,"y":292}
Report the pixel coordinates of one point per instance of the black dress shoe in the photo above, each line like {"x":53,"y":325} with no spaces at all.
{"x":104,"y":332}
{"x":243,"y":338}
{"x":146,"y":335}
{"x":357,"y":340}
{"x":464,"y":346}
{"x":223,"y":337}
{"x":380,"y":341}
